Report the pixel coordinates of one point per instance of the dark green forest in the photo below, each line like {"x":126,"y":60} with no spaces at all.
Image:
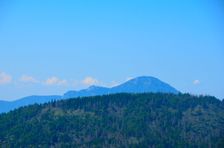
{"x":119,"y":120}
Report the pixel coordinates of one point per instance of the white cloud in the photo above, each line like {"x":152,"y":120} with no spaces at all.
{"x":129,"y":78}
{"x":5,"y":78}
{"x":90,"y":81}
{"x":113,"y":84}
{"x":55,"y":81}
{"x":28,"y":79}
{"x":196,"y":82}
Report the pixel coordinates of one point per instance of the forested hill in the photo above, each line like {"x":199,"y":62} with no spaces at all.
{"x":119,"y":120}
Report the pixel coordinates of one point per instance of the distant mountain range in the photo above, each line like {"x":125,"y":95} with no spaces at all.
{"x":137,"y":85}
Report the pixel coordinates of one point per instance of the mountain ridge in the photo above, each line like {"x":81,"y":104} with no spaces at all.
{"x":137,"y":85}
{"x":142,"y":84}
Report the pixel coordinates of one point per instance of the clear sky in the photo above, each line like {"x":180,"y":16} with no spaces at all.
{"x":52,"y":46}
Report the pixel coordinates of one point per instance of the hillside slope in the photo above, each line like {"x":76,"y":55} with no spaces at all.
{"x":119,"y":120}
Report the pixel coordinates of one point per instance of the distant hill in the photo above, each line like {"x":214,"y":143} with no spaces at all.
{"x":137,"y":85}
{"x":118,"y":120}
{"x":144,"y":84}
{"x":6,"y":106}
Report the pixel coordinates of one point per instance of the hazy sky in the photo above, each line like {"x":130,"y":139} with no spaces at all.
{"x":51,"y":46}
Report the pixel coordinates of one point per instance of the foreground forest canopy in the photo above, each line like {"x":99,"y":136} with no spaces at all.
{"x":119,"y":120}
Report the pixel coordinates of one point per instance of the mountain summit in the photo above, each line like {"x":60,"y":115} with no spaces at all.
{"x":144,"y":84}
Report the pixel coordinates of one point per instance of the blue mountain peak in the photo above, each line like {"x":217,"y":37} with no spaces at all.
{"x":144,"y":84}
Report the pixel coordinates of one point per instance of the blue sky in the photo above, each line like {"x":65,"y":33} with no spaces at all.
{"x":51,"y":46}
